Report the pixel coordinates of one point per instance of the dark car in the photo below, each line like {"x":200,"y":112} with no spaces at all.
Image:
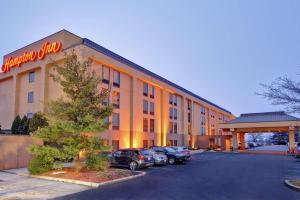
{"x":172,"y":155}
{"x":131,"y":158}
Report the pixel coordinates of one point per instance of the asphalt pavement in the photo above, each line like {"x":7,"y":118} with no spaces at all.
{"x":211,"y":176}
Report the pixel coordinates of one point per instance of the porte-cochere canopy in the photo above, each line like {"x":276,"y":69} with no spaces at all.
{"x":262,"y":122}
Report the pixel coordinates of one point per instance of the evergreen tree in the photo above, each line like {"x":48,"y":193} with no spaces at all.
{"x":24,"y":126}
{"x":38,"y":120}
{"x":73,"y":120}
{"x":15,"y":125}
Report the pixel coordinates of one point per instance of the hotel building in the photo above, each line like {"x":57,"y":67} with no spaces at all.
{"x":148,"y":109}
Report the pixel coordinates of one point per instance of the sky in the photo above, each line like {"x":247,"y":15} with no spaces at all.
{"x":220,"y":50}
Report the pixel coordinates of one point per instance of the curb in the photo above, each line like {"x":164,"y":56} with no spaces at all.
{"x":291,"y":185}
{"x":90,"y":184}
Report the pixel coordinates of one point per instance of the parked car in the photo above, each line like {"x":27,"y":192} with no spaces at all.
{"x":132,"y":158}
{"x":159,"y":158}
{"x":172,"y":155}
{"x":183,"y":150}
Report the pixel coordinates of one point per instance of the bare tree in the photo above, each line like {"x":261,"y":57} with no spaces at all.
{"x":283,"y":91}
{"x":254,"y":137}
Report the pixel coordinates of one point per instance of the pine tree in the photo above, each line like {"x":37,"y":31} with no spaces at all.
{"x":73,"y":120}
{"x":15,"y":125}
{"x":38,"y":120}
{"x":24,"y":126}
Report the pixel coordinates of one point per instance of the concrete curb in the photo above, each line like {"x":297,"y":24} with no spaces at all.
{"x":291,"y":185}
{"x":90,"y":184}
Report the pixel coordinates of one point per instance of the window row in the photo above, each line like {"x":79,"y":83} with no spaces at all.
{"x":172,"y":127}
{"x":145,"y":107}
{"x":146,"y":88}
{"x":146,"y":123}
{"x":106,"y":76}
{"x":173,"y":99}
{"x":173,"y":113}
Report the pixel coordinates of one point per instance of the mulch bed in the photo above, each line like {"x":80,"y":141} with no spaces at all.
{"x":89,"y":176}
{"x":297,"y":183}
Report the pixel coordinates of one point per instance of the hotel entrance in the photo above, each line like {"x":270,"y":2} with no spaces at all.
{"x":253,"y":123}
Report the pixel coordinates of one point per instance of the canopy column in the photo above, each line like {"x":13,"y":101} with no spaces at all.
{"x":242,"y":140}
{"x":234,"y":141}
{"x":291,"y":139}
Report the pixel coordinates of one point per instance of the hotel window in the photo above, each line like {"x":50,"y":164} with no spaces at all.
{"x":105,"y":92}
{"x":170,"y":143}
{"x":145,"y":89}
{"x":152,"y":91}
{"x":145,"y":107}
{"x":170,"y":127}
{"x":189,"y":105}
{"x":152,"y":125}
{"x":145,"y":143}
{"x":105,"y":74}
{"x":189,"y":117}
{"x":106,"y":121}
{"x":116,"y":99}
{"x":151,"y":143}
{"x":175,"y":143}
{"x":189,"y":129}
{"x":175,"y":113}
{"x":171,"y":99}
{"x":151,"y":108}
{"x":31,"y":77}
{"x":175,"y":100}
{"x":202,"y":130}
{"x":115,"y":144}
{"x":171,"y":113}
{"x":145,"y":125}
{"x":202,"y":110}
{"x":175,"y":127}
{"x":115,"y":121}
{"x":203,"y":120}
{"x":116,"y":82}
{"x":30,"y":97}
{"x":29,"y":115}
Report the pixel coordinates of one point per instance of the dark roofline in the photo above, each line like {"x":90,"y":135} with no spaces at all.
{"x":264,"y":113}
{"x":123,"y":60}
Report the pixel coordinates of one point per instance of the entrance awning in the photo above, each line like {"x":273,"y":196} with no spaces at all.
{"x":262,"y":122}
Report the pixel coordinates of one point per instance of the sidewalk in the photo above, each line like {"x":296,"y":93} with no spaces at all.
{"x":15,"y":184}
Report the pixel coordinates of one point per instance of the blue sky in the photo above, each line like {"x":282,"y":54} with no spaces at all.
{"x":220,"y":50}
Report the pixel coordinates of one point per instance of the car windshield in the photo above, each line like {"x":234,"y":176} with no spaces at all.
{"x":146,"y":152}
{"x":170,"y":150}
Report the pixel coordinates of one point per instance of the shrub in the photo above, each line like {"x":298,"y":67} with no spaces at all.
{"x":24,"y":126}
{"x":38,"y":165}
{"x":96,"y":162}
{"x":92,"y":162}
{"x":37,"y":121}
{"x":15,"y":125}
{"x":44,"y":159}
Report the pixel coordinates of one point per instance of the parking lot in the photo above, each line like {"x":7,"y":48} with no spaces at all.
{"x":222,"y":176}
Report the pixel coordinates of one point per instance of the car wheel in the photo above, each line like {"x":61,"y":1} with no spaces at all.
{"x":171,"y":161}
{"x":133,"y":165}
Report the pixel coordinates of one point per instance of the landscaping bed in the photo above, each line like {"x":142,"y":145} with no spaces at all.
{"x":89,"y":176}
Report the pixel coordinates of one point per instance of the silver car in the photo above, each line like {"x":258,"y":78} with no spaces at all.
{"x":159,"y":159}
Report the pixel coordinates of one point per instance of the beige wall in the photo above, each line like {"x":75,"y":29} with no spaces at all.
{"x":13,"y":150}
{"x":6,"y":104}
{"x":131,"y":96}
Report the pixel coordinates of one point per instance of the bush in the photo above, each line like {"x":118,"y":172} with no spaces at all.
{"x":38,"y":165}
{"x":15,"y":125}
{"x":44,"y":159}
{"x":37,"y":121}
{"x":92,"y":162}
{"x":24,"y":126}
{"x":96,"y":162}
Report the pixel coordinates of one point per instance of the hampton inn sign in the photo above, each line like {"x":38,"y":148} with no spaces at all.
{"x":47,"y":48}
